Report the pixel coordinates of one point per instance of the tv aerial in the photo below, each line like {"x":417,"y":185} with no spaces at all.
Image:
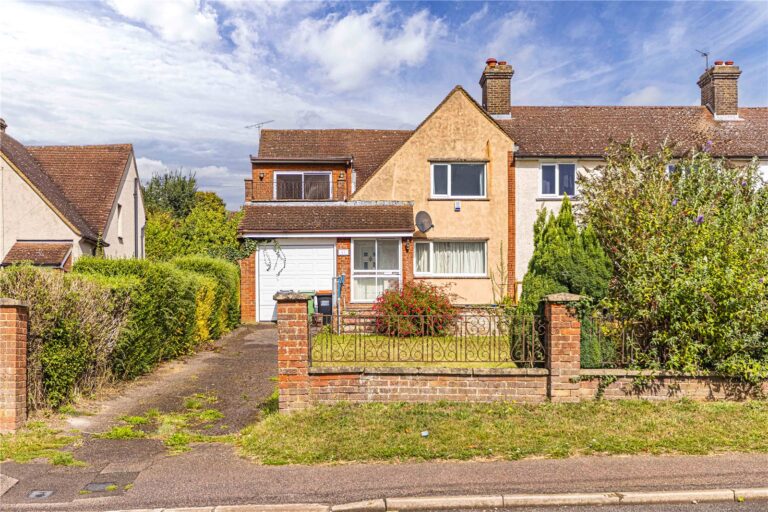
{"x":259,"y":125}
{"x":706,"y":58}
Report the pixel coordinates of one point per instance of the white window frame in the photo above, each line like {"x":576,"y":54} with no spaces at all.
{"x":432,"y":193}
{"x":302,"y":173}
{"x":374,"y":273}
{"x":557,"y":164}
{"x":432,"y":259}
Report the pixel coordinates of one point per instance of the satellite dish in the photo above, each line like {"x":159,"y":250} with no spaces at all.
{"x":424,"y":222}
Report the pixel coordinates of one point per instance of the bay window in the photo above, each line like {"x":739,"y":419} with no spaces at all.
{"x":375,"y":267}
{"x":558,"y":179}
{"x":450,"y":258}
{"x":303,"y":185}
{"x":458,"y":180}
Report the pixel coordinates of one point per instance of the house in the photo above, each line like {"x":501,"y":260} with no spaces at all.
{"x":339,"y":203}
{"x":60,"y":202}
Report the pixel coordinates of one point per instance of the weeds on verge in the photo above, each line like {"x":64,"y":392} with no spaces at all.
{"x":36,"y":441}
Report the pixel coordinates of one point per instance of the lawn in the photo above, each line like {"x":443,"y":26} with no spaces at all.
{"x":396,"y":432}
{"x":417,"y":351}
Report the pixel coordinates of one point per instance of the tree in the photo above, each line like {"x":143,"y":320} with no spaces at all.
{"x":565,"y":259}
{"x":172,"y":192}
{"x":209,"y":229}
{"x":690,"y":257}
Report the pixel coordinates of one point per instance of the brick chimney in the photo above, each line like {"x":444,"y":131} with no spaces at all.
{"x":495,"y":82}
{"x":720,"y":89}
{"x":3,"y":125}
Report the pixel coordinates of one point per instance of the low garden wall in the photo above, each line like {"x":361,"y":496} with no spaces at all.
{"x":562,"y":380}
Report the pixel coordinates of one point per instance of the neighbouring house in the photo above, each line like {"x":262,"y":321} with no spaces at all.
{"x":453,"y":201}
{"x":60,"y":202}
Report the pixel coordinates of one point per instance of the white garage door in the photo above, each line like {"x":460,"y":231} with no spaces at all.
{"x":307,"y":266}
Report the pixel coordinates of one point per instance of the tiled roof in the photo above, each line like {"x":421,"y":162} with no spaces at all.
{"x":588,"y":131}
{"x":88,"y":176}
{"x":349,"y":217}
{"x":51,"y":254}
{"x":23,"y":160}
{"x":369,"y":148}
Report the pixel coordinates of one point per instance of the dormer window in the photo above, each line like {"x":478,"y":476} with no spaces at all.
{"x":458,"y":180}
{"x":558,"y":179}
{"x":307,"y":186}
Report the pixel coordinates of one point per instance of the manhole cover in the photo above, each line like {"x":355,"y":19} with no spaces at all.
{"x":40,"y":495}
{"x":99,"y":486}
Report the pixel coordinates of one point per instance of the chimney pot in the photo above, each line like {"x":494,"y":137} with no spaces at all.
{"x":718,"y":63}
{"x":729,"y":63}
{"x":491,"y":61}
{"x":502,"y":63}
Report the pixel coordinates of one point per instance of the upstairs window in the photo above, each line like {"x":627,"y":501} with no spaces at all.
{"x":120,"y":222}
{"x":558,"y":179}
{"x":306,"y":186}
{"x":458,"y":180}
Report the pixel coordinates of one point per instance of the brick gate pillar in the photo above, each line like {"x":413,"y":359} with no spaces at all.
{"x":563,"y":347}
{"x":292,"y":351}
{"x":14,"y":324}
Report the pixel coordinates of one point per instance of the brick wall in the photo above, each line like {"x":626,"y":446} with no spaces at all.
{"x":625,"y":384}
{"x":302,"y":385}
{"x":261,"y":188}
{"x":248,"y":289}
{"x":14,"y":320}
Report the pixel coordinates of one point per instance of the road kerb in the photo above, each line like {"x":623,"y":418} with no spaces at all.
{"x":286,"y":507}
{"x":361,"y":506}
{"x":640,"y":498}
{"x":539,"y":500}
{"x":444,"y":502}
{"x":751,"y":494}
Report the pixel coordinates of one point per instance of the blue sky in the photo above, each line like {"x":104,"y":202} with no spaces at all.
{"x":180,"y":79}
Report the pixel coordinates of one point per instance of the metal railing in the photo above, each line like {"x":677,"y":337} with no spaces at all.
{"x":486,"y":338}
{"x":292,"y":191}
{"x":610,"y":342}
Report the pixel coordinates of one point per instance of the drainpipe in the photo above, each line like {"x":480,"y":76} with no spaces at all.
{"x":135,"y":217}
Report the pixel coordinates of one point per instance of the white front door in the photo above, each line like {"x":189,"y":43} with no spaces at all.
{"x":304,"y":265}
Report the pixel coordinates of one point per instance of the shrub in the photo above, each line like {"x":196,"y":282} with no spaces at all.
{"x":690,"y":253}
{"x":75,"y":324}
{"x":565,"y":259}
{"x":162,"y":321}
{"x":417,"y":309}
{"x":226,"y":308}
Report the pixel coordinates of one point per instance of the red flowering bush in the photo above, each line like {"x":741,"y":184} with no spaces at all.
{"x":417,"y":309}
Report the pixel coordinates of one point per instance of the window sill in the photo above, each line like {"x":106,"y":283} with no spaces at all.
{"x":450,"y":277}
{"x":573,"y":199}
{"x":458,"y":199}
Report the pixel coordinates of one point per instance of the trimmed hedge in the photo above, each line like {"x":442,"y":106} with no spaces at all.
{"x":117,"y":318}
{"x":226,"y":308}
{"x":76,"y":324}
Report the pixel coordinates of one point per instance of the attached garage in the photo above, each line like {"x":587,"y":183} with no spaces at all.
{"x":316,"y":240}
{"x":303,"y":264}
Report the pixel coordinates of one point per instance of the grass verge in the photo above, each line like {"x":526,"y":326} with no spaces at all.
{"x":451,"y":431}
{"x":36,"y":441}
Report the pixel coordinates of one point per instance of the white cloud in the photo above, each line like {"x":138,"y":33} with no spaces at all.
{"x":356,"y":47}
{"x":648,"y":95}
{"x":174,"y":20}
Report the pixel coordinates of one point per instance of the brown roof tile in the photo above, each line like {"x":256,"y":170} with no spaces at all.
{"x":350,"y":217}
{"x":18,"y":154}
{"x":88,"y":176}
{"x":588,"y":131}
{"x":369,"y":148}
{"x":51,"y":254}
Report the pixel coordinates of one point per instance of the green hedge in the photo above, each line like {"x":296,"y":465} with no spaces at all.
{"x":174,"y":306}
{"x":75,"y":325}
{"x":226,"y":309}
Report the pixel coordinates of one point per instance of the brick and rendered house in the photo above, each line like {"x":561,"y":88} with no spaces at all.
{"x":60,"y":202}
{"x":343,"y":202}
